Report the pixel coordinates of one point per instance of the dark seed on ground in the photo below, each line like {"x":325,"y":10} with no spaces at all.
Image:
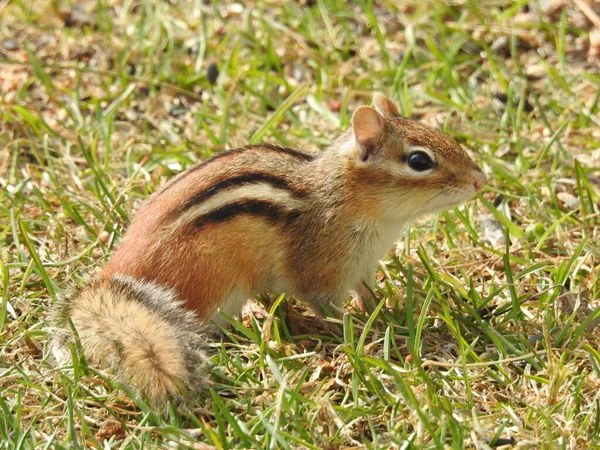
{"x":212,"y":73}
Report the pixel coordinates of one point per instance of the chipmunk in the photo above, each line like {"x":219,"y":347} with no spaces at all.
{"x":262,"y":218}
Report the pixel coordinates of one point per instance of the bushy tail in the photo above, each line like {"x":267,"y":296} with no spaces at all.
{"x":139,"y":331}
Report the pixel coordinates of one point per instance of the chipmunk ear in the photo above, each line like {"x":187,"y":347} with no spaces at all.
{"x":384,"y":105}
{"x":369,"y":131}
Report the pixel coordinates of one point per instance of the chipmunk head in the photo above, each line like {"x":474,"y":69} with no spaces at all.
{"x":411,"y":167}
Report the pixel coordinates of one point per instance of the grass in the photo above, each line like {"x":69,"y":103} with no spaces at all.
{"x":483,"y":331}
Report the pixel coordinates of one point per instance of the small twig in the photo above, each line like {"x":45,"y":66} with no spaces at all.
{"x":588,"y":11}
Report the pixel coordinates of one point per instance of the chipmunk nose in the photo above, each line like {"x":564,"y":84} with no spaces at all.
{"x":480,"y":180}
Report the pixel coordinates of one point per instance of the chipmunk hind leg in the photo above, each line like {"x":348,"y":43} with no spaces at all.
{"x":231,"y":306}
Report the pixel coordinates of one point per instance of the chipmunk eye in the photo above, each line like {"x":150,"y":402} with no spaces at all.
{"x":420,"y":161}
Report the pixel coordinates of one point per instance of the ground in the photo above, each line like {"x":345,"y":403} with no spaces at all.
{"x":483,"y":326}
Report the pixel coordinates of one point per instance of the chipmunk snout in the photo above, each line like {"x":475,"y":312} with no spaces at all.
{"x":479,"y":180}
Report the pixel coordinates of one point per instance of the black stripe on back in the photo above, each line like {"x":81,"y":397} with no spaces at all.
{"x":236,"y":151}
{"x":240,"y":180}
{"x":258,"y":208}
{"x":287,"y":150}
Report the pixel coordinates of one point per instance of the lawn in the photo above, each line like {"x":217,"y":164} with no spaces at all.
{"x":483,"y":326}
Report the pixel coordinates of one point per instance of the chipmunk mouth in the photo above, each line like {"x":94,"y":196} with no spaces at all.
{"x":448,"y":200}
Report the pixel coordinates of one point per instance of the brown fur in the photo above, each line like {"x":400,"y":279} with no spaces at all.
{"x":308,"y":225}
